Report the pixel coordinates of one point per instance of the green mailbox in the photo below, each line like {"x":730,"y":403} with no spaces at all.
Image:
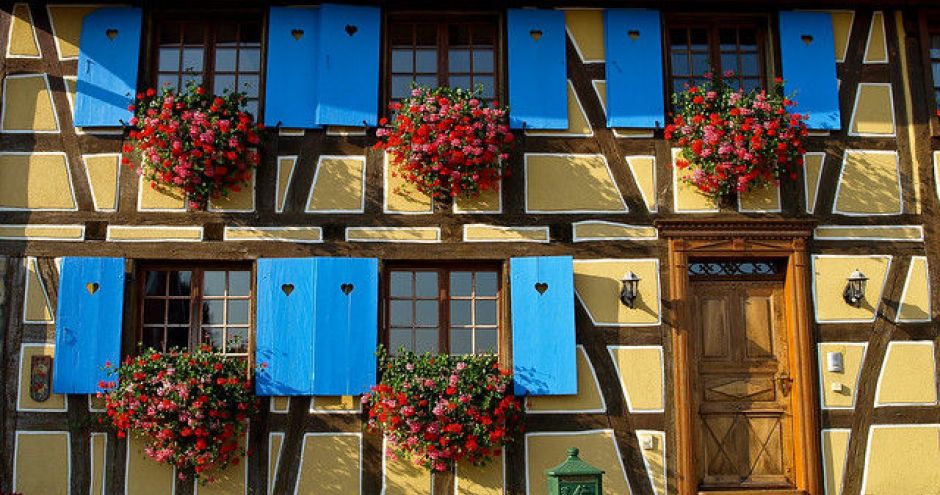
{"x":575,"y":477}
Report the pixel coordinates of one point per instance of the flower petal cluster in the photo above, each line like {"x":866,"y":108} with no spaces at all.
{"x":189,"y":140}
{"x":192,"y":408}
{"x":447,"y":141}
{"x":734,"y":140}
{"x":438,"y":410}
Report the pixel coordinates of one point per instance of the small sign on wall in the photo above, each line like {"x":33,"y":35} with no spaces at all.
{"x":40,"y":378}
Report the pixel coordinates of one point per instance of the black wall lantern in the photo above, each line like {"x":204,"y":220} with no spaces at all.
{"x":630,"y":289}
{"x":854,"y":291}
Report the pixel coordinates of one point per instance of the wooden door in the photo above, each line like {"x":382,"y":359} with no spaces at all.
{"x":741,"y":385}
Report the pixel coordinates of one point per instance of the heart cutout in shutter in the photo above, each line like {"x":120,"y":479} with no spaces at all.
{"x":287,"y":288}
{"x":297,"y":34}
{"x":351,"y":29}
{"x":807,"y":39}
{"x":633,"y":34}
{"x":541,"y":287}
{"x":346,"y":288}
{"x":92,"y":287}
{"x":111,"y":33}
{"x":535,"y":34}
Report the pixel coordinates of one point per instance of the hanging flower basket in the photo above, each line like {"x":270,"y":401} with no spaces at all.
{"x":192,"y":409}
{"x":438,"y":410}
{"x":447,"y":142}
{"x":734,"y":141}
{"x":203,"y":145}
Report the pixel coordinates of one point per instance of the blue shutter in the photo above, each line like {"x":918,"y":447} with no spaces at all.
{"x":347,"y":318}
{"x":634,"y":68}
{"x":88,"y":323}
{"x":807,"y":48}
{"x":538,"y":81}
{"x":543,"y":331}
{"x":107,"y":67}
{"x":284,"y":337}
{"x":348,"y":65}
{"x":290,"y":96}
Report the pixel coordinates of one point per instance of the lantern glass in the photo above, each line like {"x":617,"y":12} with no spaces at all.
{"x":630,"y":289}
{"x":854,"y":292}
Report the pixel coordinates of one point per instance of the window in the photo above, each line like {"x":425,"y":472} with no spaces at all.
{"x":224,"y":56}
{"x":698,"y":47}
{"x":452,"y":311}
{"x":457,"y":52}
{"x":933,"y":52}
{"x":186,"y":307}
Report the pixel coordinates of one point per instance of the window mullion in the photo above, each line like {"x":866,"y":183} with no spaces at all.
{"x":195,"y":313}
{"x":443,"y":319}
{"x":443,"y":67}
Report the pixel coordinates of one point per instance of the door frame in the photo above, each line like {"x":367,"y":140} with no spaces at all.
{"x":744,"y":238}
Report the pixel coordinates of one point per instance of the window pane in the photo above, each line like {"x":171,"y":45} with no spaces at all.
{"x":729,"y":61}
{"x":426,"y":313}
{"x":482,"y":59}
{"x":747,"y":38}
{"x":239,"y":283}
{"x":935,"y":46}
{"x":223,"y":84}
{"x":195,"y":79}
{"x":699,"y":39}
{"x":248,"y":85}
{"x":153,"y":337}
{"x":486,"y":341}
{"x":179,"y":283}
{"x":400,"y":284}
{"x":401,"y":86}
{"x":936,"y":97}
{"x":155,"y":284}
{"x":167,"y":81}
{"x":460,"y":82}
{"x":212,"y":312}
{"x":225,"y":59}
{"x":169,"y":59}
{"x":459,"y":60}
{"x":487,"y":83}
{"x":427,"y":81}
{"x":936,"y":73}
{"x":749,"y":64}
{"x":213,"y":337}
{"x":461,"y":284}
{"x":751,"y":84}
{"x":426,"y":284}
{"x":252,"y":107}
{"x":426,"y":60}
{"x":192,"y":59}
{"x":461,"y":341}
{"x":728,"y":39}
{"x":485,"y":312}
{"x":178,"y":311}
{"x":249,"y":60}
{"x":401,"y":313}
{"x":700,"y":64}
{"x":238,"y":312}
{"x":486,"y":284}
{"x":177,"y":338}
{"x":402,"y":60}
{"x":460,"y":312}
{"x":426,"y":340}
{"x":237,"y":340}
{"x":170,"y":34}
{"x":154,"y":310}
{"x":399,"y":338}
{"x":680,"y":64}
{"x":213,"y":283}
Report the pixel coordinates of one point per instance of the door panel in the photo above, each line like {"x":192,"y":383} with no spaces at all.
{"x":740,"y":374}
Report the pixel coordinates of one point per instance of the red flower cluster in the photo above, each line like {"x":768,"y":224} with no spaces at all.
{"x":192,"y":408}
{"x":440,"y":410}
{"x":201,"y":144}
{"x":735,"y":140}
{"x":447,"y":142}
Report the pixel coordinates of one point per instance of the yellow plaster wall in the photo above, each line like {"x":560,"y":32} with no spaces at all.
{"x":599,"y":230}
{"x":557,"y":183}
{"x":275,"y":440}
{"x":160,"y":198}
{"x":144,"y":476}
{"x":588,"y":398}
{"x":27,"y":104}
{"x":335,"y":403}
{"x":841,"y":30}
{"x":66,"y":23}
{"x":873,"y":114}
{"x":876,"y":51}
{"x":853,"y":356}
{"x":43,"y":463}
{"x":22,"y":42}
{"x":829,"y":276}
{"x":338,"y":185}
{"x":597,"y":283}
{"x":36,"y":232}
{"x":578,"y":124}
{"x":498,"y":233}
{"x":640,"y":370}
{"x":643,"y":168}
{"x":35,"y":181}
{"x":654,"y":458}
{"x":812,"y":171}
{"x":402,"y":477}
{"x":598,"y":448}
{"x":103,"y":172}
{"x":835,"y":443}
{"x":285,"y":172}
{"x":489,"y":201}
{"x":902,"y":460}
{"x":289,"y":234}
{"x":230,"y":481}
{"x":908,"y":375}
{"x":393,"y":234}
{"x":760,"y":199}
{"x":330,"y":463}
{"x":55,"y":402}
{"x":99,"y":446}
{"x":870,"y":232}
{"x":586,"y":29}
{"x":480,"y":480}
{"x":687,"y":198}
{"x":36,"y":307}
{"x":915,"y":301}
{"x":243,"y":200}
{"x":280,"y":404}
{"x":869,"y":184}
{"x":402,"y":196}
{"x":144,"y":233}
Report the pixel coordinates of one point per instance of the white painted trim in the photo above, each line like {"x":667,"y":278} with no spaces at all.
{"x":610,"y":175}
{"x":897,"y":168}
{"x":822,"y":436}
{"x":292,"y":131}
{"x":543,"y":228}
{"x":613,"y":440}
{"x":884,"y":38}
{"x":254,"y":199}
{"x":919,"y":228}
{"x":33,"y":28}
{"x":68,"y":173}
{"x":68,"y":452}
{"x":316,"y":175}
{"x":385,"y":473}
{"x":675,"y":189}
{"x":502,"y":461}
{"x":238,"y":228}
{"x":127,"y":471}
{"x":140,"y":190}
{"x":936,"y":178}
{"x":25,"y":238}
{"x":646,"y":201}
{"x":659,"y":315}
{"x":55,"y":36}
{"x":93,"y":409}
{"x":877,"y":303}
{"x":661,"y":435}
{"x":565,"y":133}
{"x":184,"y":228}
{"x":778,"y":209}
{"x":858,"y":93}
{"x":19,"y":383}
{"x":884,"y":364}
{"x":386,"y":173}
{"x":279,"y":208}
{"x":497,"y":211}
{"x":55,"y":113}
{"x":907,"y":282}
{"x":597,"y":386}
{"x":576,"y":238}
{"x":313,"y":409}
{"x":810,"y":208}
{"x":858,"y":374}
{"x":117,"y":182}
{"x":275,"y":410}
{"x":272,"y":477}
{"x":871,"y":430}
{"x":574,"y":40}
{"x":31,"y":261}
{"x":303,"y":442}
{"x":104,"y":468}
{"x":331,"y":130}
{"x":623,"y":387}
{"x":390,"y":229}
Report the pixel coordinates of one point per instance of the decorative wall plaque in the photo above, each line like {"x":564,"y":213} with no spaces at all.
{"x":40,"y":378}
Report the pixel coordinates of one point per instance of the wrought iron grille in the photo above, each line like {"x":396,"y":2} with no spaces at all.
{"x":737,"y":268}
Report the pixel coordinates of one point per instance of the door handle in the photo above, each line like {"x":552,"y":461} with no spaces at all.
{"x":785,"y":382}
